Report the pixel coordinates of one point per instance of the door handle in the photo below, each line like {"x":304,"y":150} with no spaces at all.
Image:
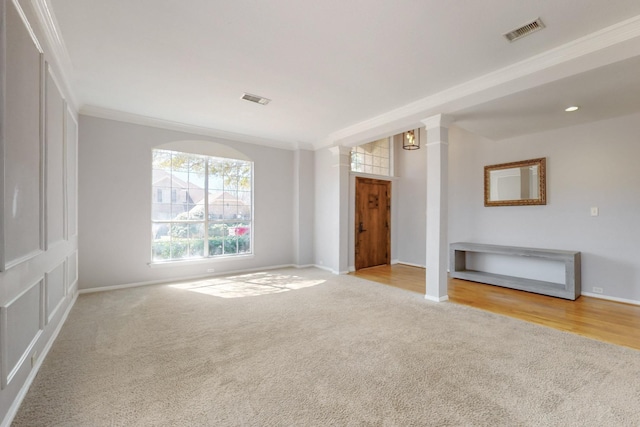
{"x":360,"y":228}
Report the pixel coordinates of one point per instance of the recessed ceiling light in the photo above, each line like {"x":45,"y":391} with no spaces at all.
{"x":572,"y":108}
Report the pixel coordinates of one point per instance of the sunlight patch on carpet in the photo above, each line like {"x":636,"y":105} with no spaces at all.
{"x":247,"y":285}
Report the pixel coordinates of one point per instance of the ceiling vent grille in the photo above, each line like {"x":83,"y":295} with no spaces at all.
{"x":255,"y":98}
{"x":525,"y":30}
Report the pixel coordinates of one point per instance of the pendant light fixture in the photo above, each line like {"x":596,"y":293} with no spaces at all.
{"x":411,"y":139}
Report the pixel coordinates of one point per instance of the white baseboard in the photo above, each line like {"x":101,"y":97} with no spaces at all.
{"x":608,"y":298}
{"x":325,"y":268}
{"x":185,"y":278}
{"x":13,"y":409}
{"x":139,"y":284}
{"x":410,"y":264}
{"x":436,"y":299}
{"x":304,"y":265}
{"x":394,"y":262}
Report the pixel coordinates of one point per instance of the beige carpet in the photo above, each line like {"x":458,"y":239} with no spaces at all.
{"x":307,"y":348}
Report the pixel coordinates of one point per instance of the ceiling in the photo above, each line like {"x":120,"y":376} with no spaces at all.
{"x":348,"y":71}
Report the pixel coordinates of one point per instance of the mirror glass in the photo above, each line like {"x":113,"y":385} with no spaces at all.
{"x":516,"y":183}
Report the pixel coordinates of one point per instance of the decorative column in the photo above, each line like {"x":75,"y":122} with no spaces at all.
{"x":437,"y":202}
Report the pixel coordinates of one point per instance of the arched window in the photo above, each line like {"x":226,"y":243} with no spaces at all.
{"x":202,"y":205}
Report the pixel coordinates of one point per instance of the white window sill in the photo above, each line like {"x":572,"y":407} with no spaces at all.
{"x":199,"y":261}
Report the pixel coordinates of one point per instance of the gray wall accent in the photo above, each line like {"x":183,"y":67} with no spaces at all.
{"x":327,"y":210}
{"x":115,"y":206}
{"x":590,"y":165}
{"x":37,"y":203}
{"x":303,"y":207}
{"x":410,"y":196}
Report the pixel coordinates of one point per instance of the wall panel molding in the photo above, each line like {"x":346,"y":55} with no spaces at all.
{"x":21,"y":323}
{"x":23,"y":147}
{"x":72,"y":271}
{"x":71,"y":173}
{"x":55,"y":290}
{"x":54,"y":153}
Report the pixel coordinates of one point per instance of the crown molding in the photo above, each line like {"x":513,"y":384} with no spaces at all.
{"x":121,"y":116}
{"x":305,"y":146}
{"x":440,"y":102}
{"x":27,"y":25}
{"x":59,"y":52}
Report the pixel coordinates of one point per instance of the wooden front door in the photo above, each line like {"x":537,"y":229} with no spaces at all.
{"x":373,"y":219}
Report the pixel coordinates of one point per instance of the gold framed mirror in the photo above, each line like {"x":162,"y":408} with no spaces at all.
{"x":521,"y":183}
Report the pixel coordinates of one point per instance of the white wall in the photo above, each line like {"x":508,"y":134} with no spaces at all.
{"x":303,"y":207}
{"x":38,"y":242}
{"x":591,"y":165}
{"x":410,"y":194}
{"x":115,"y":206}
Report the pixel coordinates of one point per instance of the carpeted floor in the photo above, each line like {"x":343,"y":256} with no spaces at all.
{"x":307,"y":348}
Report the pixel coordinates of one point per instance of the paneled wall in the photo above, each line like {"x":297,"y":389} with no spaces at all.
{"x":38,"y":227}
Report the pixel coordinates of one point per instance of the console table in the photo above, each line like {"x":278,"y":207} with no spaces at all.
{"x":569,"y":290}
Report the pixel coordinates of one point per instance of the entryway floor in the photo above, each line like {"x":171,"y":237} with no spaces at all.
{"x":608,"y":321}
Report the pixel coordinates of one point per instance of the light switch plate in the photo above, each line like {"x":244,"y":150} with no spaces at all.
{"x":594,"y":211}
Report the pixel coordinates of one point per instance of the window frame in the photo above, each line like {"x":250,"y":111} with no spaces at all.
{"x":206,"y":220}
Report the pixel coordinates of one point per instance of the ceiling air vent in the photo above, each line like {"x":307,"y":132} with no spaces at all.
{"x":525,"y":30}
{"x":255,"y":98}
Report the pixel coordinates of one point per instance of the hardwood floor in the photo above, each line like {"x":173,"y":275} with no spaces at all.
{"x":603,"y":320}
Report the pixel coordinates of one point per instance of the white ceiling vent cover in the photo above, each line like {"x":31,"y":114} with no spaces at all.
{"x":255,"y":98}
{"x":525,"y":30}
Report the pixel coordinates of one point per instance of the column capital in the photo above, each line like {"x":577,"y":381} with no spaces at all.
{"x":340,"y":150}
{"x":438,"y":121}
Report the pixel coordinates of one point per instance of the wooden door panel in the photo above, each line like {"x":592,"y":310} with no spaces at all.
{"x":372,"y":239}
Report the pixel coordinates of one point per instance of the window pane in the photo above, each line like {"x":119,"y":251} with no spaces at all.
{"x":196,"y":240}
{"x":187,"y":240}
{"x":231,"y":245}
{"x":161,"y":241}
{"x":244,"y":204}
{"x":179,"y":249}
{"x":231,"y":205}
{"x":230,"y":237}
{"x":161,"y":250}
{"x":195,"y":211}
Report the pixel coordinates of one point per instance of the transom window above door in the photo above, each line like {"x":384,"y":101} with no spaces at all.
{"x":372,"y":158}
